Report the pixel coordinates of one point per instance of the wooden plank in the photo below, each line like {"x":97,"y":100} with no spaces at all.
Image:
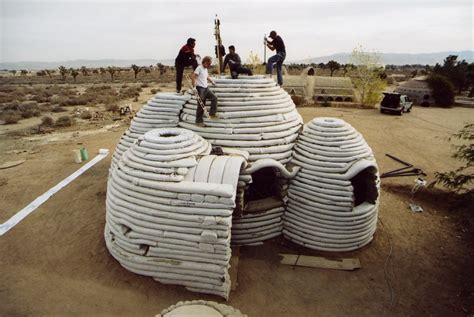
{"x":347,"y":264}
{"x":234,"y":268}
{"x":11,"y":164}
{"x":255,"y":206}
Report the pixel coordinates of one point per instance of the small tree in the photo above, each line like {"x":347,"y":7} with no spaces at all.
{"x":459,"y":179}
{"x":49,"y":72}
{"x":255,"y":63}
{"x":74,"y":73}
{"x":63,"y":71}
{"x":24,"y":72}
{"x":84,"y":71}
{"x":366,"y":76}
{"x":111,"y":71}
{"x":162,"y":68}
{"x":333,"y":66}
{"x":102,"y":70}
{"x":441,"y":89}
{"x":136,"y":69}
{"x":13,"y":72}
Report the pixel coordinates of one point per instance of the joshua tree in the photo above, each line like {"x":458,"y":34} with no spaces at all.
{"x":111,"y":71}
{"x":333,"y":65}
{"x":63,"y":70}
{"x":74,"y":73}
{"x":162,"y":68}
{"x":84,"y":71}
{"x":136,"y":69}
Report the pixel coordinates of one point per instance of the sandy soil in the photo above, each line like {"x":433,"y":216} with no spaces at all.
{"x":55,"y":263}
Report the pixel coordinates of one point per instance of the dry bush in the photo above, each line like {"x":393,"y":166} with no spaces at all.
{"x":64,"y":121}
{"x":47,"y":121}
{"x":130,"y":92}
{"x":86,"y":115}
{"x":11,"y":117}
{"x":298,"y":100}
{"x":112,"y":107}
{"x":155,"y":90}
{"x":12,"y":105}
{"x":58,"y":109}
{"x":144,"y":85}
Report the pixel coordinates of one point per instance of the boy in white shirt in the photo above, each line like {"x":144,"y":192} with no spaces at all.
{"x":200,"y":78}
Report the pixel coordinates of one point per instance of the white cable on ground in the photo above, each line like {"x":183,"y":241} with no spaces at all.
{"x":22,"y":214}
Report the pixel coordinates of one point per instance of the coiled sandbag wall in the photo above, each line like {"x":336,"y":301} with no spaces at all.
{"x":161,"y":111}
{"x":333,"y":200}
{"x":169,"y":210}
{"x":256,"y":116}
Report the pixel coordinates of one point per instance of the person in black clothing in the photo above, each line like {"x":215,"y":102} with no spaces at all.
{"x":186,"y":57}
{"x":235,"y":64}
{"x":278,"y":45}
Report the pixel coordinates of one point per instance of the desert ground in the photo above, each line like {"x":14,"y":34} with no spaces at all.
{"x":55,"y":263}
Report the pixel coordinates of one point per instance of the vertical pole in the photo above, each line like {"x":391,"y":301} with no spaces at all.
{"x":264,"y":49}
{"x":217,"y":33}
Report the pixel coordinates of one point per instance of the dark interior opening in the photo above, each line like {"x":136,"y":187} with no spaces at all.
{"x":338,"y":98}
{"x":168,"y":135}
{"x":264,"y":184}
{"x":364,"y":184}
{"x":311,"y":72}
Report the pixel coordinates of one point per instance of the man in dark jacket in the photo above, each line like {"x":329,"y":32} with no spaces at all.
{"x":278,"y":45}
{"x":235,"y":64}
{"x":186,"y":57}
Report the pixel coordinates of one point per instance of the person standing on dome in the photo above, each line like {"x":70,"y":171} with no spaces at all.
{"x":278,"y":45}
{"x":186,"y":57}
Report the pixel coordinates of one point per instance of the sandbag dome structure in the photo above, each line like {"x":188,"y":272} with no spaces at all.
{"x":169,"y":210}
{"x":180,"y":195}
{"x":333,"y":200}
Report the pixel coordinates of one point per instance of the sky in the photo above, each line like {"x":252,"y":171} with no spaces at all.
{"x":52,"y":31}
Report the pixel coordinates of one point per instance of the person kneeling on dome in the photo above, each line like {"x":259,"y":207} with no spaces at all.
{"x":235,"y":64}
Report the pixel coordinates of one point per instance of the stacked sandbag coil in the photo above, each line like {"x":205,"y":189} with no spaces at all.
{"x":200,"y":308}
{"x":323,"y":212}
{"x":257,"y":116}
{"x":169,"y":210}
{"x":161,"y":111}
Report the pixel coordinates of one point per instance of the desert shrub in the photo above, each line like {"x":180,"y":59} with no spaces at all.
{"x":11,"y":117}
{"x":144,"y":85}
{"x":130,"y":92}
{"x":86,"y":115}
{"x":12,"y":105}
{"x":58,"y":109}
{"x":47,"y":121}
{"x":27,"y":114}
{"x":459,"y":179}
{"x":442,"y":90}
{"x":28,"y":105}
{"x":64,"y":121}
{"x":325,"y":103}
{"x":298,"y":100}
{"x":155,"y":90}
{"x":112,"y":107}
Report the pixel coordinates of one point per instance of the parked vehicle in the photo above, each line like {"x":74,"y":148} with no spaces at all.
{"x":395,"y":103}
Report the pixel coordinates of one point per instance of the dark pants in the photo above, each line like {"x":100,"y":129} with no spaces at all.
{"x":240,"y":70}
{"x":205,"y":94}
{"x":278,"y":60}
{"x":180,"y":69}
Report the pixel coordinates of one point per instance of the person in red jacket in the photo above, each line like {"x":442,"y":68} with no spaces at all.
{"x":186,"y":57}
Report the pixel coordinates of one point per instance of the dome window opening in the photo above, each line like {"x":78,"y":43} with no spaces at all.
{"x":365,"y":186}
{"x":264,"y":185}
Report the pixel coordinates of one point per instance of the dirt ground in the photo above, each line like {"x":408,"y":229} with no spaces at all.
{"x":55,"y":263}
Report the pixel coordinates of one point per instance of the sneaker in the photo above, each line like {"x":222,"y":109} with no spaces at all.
{"x":179,"y":92}
{"x":214,"y":116}
{"x":200,"y":124}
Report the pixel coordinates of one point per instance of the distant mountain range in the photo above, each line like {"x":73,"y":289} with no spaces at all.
{"x":78,"y":63}
{"x":396,"y":58}
{"x":343,"y":58}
